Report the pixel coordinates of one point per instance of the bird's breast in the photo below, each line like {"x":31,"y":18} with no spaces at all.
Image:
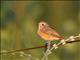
{"x":46,"y":36}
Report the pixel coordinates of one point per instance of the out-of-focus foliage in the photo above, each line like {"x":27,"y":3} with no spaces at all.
{"x":19,"y":21}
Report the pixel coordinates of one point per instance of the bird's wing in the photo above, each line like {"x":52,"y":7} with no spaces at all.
{"x":51,"y":31}
{"x":55,"y":33}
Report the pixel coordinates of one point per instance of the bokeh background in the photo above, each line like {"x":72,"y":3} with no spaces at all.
{"x":19,"y":22}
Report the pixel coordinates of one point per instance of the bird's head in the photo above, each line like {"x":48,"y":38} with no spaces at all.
{"x":42,"y":24}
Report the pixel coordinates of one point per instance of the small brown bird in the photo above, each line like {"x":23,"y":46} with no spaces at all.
{"x":47,"y":33}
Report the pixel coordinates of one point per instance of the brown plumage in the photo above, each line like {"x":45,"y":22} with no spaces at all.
{"x":47,"y":33}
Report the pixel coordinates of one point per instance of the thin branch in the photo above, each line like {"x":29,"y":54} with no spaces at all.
{"x":23,"y":49}
{"x":71,"y":39}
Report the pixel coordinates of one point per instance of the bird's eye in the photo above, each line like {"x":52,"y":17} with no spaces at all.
{"x":42,"y":24}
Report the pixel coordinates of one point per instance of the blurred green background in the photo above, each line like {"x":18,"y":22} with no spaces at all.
{"x":19,"y":22}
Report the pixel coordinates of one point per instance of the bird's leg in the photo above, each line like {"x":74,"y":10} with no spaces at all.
{"x":47,"y":50}
{"x":48,"y":46}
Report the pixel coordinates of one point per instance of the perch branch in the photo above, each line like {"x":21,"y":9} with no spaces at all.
{"x":71,"y":39}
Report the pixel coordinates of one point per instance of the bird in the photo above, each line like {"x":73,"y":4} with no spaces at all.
{"x":47,"y":33}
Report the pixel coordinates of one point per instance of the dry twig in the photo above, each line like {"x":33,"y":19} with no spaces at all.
{"x":71,"y":39}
